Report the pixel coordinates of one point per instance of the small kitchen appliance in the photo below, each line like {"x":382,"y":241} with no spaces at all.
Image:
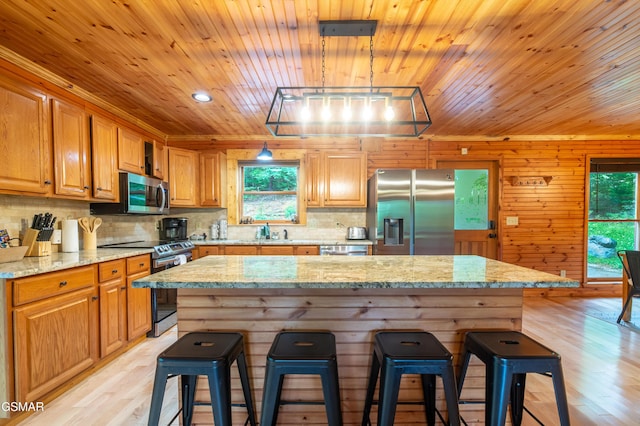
{"x":173,"y":229}
{"x":356,"y":233}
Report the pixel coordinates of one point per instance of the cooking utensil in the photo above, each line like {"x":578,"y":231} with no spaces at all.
{"x":84,"y":223}
{"x":97,"y":221}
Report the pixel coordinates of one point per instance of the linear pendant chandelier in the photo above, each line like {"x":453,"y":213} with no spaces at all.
{"x":387,"y":111}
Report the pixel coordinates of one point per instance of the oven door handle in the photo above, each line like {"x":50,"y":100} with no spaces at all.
{"x":160,"y":263}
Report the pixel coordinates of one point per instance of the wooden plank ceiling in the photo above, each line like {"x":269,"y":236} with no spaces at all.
{"x":486,"y":68}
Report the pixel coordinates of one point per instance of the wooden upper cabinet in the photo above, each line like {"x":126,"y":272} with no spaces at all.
{"x":315,"y":184}
{"x":130,"y":151}
{"x":160,"y":160}
{"x":24,"y":140}
{"x":104,"y":158}
{"x":183,"y":177}
{"x":213,"y":179}
{"x":71,"y":150}
{"x":336,"y":179}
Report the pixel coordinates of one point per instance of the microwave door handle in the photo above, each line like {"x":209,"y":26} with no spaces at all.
{"x":164,"y":196}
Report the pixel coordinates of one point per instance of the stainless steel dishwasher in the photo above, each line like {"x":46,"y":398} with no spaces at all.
{"x":344,"y":250}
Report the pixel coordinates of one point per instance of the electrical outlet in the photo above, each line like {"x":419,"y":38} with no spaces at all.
{"x":464,"y":151}
{"x":563,"y":273}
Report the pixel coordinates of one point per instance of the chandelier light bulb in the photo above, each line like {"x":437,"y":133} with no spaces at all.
{"x":367,"y":113}
{"x":347,"y":113}
{"x":305,"y":113}
{"x":326,"y":113}
{"x":389,"y":113}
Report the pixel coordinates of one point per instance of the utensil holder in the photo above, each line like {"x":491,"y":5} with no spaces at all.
{"x":36,"y":248}
{"x":89,"y":240}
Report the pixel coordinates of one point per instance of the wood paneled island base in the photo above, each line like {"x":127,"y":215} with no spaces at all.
{"x":353,"y":315}
{"x":361,"y":297}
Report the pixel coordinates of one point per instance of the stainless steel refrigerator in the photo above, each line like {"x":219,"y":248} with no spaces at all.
{"x":411,"y":211}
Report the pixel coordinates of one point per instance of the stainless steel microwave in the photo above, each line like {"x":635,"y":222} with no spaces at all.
{"x":138,"y":195}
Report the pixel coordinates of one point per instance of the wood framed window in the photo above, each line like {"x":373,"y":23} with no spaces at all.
{"x":269,"y":192}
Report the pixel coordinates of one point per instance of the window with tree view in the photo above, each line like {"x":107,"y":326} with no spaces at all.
{"x":270,"y":191}
{"x":613,"y":215}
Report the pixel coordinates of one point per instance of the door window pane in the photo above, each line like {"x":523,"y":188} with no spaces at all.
{"x":471,"y":205}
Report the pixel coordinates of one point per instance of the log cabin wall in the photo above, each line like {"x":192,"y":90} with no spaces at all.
{"x":551,"y":234}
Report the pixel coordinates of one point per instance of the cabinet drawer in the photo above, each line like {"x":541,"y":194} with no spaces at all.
{"x":276,"y":250}
{"x":241,"y":250}
{"x":138,"y":264}
{"x":111,"y":270}
{"x":307,"y":250}
{"x":208,"y":250}
{"x":38,"y":287}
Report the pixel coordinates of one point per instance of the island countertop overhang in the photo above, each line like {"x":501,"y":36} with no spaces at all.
{"x":290,"y":272}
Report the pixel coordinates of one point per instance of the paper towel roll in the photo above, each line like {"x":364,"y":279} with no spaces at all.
{"x":182,"y":259}
{"x":69,"y":235}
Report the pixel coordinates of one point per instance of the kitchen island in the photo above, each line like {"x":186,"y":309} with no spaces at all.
{"x":353,"y":297}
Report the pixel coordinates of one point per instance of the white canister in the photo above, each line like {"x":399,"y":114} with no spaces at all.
{"x":70,"y":235}
{"x":214,"y":232}
{"x":222,"y":223}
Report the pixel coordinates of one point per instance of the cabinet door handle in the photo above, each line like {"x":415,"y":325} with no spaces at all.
{"x":141,"y":265}
{"x":86,"y":187}
{"x":99,"y":188}
{"x":95,"y":298}
{"x":47,"y":182}
{"x":114,"y":271}
{"x":123,"y":288}
{"x":63,"y":283}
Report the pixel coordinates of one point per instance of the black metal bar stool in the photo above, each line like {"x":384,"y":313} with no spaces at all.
{"x":396,"y":353}
{"x":508,"y":357}
{"x":294,"y":352}
{"x":209,"y":354}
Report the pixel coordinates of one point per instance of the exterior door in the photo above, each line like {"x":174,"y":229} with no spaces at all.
{"x":476,"y":207}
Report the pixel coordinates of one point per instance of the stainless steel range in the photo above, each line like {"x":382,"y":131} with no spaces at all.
{"x":165,"y":255}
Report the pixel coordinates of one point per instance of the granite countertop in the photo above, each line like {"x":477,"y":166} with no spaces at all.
{"x":58,"y":261}
{"x":351,"y":272}
{"x":295,"y":242}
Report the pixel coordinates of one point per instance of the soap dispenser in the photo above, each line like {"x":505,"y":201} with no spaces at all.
{"x":267,"y":231}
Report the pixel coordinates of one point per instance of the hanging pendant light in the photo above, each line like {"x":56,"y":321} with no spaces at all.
{"x":265,"y":154}
{"x":348,"y":110}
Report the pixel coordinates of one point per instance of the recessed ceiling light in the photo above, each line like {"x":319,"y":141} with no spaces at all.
{"x":202,"y":97}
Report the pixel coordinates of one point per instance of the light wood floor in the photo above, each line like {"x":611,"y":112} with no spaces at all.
{"x":601,"y":363}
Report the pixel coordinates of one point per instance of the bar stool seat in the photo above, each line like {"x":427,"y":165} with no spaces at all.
{"x":203,"y":353}
{"x":295,"y":352}
{"x":508,"y":357}
{"x":396,"y":353}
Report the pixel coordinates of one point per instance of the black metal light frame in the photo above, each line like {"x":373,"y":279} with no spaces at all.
{"x":285,"y":117}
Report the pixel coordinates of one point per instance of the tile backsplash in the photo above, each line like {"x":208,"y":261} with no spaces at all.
{"x":16,"y":213}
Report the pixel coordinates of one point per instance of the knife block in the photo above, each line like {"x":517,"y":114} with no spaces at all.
{"x":36,"y":248}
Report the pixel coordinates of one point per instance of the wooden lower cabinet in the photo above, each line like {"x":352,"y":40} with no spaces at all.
{"x":65,"y":321}
{"x":138,"y":299}
{"x":265,"y":250}
{"x":276,"y":250}
{"x":113,"y":306}
{"x":55,"y":339}
{"x":241,"y":250}
{"x":306,"y":250}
